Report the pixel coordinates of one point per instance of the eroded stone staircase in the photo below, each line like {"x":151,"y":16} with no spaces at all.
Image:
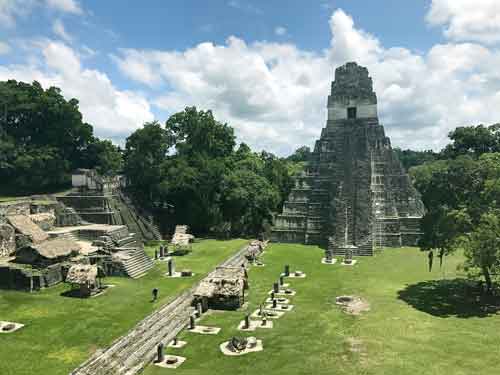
{"x":136,"y":263}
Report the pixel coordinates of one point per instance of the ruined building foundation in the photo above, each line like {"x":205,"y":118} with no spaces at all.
{"x":354,"y":193}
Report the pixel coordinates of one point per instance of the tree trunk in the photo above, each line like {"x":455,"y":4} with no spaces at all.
{"x":487,"y":278}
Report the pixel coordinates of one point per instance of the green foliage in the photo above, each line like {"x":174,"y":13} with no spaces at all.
{"x":411,"y":158}
{"x":76,"y":327}
{"x":473,"y":140}
{"x":458,"y":191}
{"x":482,"y":247}
{"x":213,"y":187}
{"x":43,"y":137}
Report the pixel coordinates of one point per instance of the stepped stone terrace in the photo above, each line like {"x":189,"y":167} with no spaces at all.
{"x":354,"y":194}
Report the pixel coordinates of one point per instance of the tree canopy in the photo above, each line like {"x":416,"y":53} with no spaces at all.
{"x":43,"y":137}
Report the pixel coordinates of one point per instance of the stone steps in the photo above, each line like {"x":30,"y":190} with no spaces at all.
{"x":138,"y":264}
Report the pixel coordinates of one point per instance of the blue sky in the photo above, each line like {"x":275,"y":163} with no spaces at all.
{"x":263,"y":66}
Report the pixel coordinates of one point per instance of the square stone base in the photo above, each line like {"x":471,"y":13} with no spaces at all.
{"x":226,"y":351}
{"x":275,"y":314}
{"x":281,"y":300}
{"x":177,"y":275}
{"x":164,"y":364}
{"x":4,"y":325}
{"x":329,"y":263}
{"x":279,"y":307}
{"x":354,"y":261}
{"x":205,"y":330}
{"x":180,"y":344}
{"x":254,"y":324}
{"x":294,"y":276}
{"x":282,"y":293}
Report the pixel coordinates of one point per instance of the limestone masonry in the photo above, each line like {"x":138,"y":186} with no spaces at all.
{"x":354,"y":194}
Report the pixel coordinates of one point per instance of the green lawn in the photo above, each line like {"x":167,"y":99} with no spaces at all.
{"x":61,"y":332}
{"x":419,"y":323}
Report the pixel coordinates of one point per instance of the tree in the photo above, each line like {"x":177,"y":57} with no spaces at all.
{"x":105,"y":157}
{"x":482,"y":247}
{"x":42,"y":137}
{"x":145,"y":151}
{"x":197,"y":132}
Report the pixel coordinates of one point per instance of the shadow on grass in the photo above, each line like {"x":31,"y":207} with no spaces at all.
{"x":450,"y":298}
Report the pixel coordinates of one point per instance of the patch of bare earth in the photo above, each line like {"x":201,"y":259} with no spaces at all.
{"x":353,"y":305}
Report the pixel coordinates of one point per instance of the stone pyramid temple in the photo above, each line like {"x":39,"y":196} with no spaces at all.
{"x":354,"y":193}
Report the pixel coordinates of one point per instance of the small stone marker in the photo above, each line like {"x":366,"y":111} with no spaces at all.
{"x":282,"y":280}
{"x":276,"y":288}
{"x":275,"y":304}
{"x":160,"y":353}
{"x":192,"y":323}
{"x":287,"y":270}
{"x":199,"y":309}
{"x":272,"y":294}
{"x":264,"y":321}
{"x":162,"y":251}
{"x":171,"y":267}
{"x":174,"y":342}
{"x":247,"y":322}
{"x":155,"y":294}
{"x":156,"y":254}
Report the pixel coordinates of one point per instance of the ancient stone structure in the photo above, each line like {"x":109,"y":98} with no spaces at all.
{"x":100,"y":199}
{"x":354,"y":191}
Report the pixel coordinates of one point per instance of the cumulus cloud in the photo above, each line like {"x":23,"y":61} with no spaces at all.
{"x":465,"y":20}
{"x":11,"y":9}
{"x":113,"y":112}
{"x":68,"y":6}
{"x":4,"y":48}
{"x":280,"y":31}
{"x":274,"y":94}
{"x":59,"y":29}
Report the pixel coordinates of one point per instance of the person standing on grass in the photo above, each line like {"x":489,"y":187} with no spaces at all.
{"x":155,"y":294}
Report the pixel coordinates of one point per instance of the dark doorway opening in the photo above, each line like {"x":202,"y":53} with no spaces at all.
{"x":351,"y":113}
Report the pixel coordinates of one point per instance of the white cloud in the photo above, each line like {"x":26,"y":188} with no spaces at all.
{"x":4,"y":48}
{"x":113,"y":112}
{"x":280,"y":31}
{"x":274,"y":94}
{"x":59,"y":29}
{"x":466,"y":20}
{"x":244,"y":6}
{"x":68,"y":6}
{"x":11,"y":9}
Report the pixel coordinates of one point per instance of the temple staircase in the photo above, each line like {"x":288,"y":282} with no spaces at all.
{"x":135,"y":263}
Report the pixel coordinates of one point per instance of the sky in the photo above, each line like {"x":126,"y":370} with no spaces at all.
{"x":263,"y":66}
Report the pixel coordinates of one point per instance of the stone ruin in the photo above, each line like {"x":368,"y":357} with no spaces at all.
{"x":42,"y":237}
{"x":354,"y":192}
{"x":223,"y":289}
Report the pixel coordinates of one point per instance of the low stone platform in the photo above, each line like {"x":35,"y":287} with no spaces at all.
{"x":353,"y":262}
{"x":226,"y":351}
{"x":283,"y":293}
{"x":280,"y":307}
{"x":281,"y":300}
{"x":205,"y":330}
{"x":180,"y":344}
{"x":323,"y":261}
{"x":10,"y":327}
{"x":254,"y":324}
{"x":270,"y":314}
{"x":171,"y":361}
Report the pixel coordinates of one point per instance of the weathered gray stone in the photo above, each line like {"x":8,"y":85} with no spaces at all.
{"x":354,"y":190}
